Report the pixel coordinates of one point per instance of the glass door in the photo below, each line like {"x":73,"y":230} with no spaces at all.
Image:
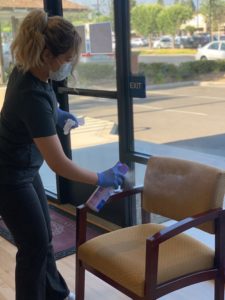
{"x":95,"y":92}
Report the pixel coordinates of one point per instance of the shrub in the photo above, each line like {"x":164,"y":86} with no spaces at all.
{"x":159,"y":72}
{"x":204,"y":66}
{"x":94,"y":72}
{"x":186,"y":71}
{"x":221,"y":65}
{"x":166,"y":73}
{"x":155,"y":73}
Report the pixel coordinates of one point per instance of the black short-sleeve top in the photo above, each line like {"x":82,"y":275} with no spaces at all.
{"x":29,"y":111}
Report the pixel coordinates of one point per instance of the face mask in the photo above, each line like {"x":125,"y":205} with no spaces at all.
{"x":62,"y":73}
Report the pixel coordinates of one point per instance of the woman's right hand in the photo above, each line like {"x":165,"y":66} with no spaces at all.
{"x":112,"y":177}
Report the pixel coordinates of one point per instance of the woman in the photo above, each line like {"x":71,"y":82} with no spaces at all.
{"x":44,"y":48}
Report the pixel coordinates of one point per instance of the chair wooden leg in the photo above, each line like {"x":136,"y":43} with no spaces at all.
{"x":80,"y":280}
{"x":219,"y":288}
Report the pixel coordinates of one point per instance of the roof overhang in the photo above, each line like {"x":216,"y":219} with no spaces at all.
{"x":19,"y":8}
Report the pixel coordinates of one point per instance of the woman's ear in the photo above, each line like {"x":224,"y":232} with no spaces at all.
{"x":47,"y":56}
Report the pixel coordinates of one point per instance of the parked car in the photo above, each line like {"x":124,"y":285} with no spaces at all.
{"x":211,"y":51}
{"x":138,"y":42}
{"x":219,"y":38}
{"x":163,"y":42}
{"x":194,"y":41}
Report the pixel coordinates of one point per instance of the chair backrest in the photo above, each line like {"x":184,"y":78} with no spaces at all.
{"x":177,"y":188}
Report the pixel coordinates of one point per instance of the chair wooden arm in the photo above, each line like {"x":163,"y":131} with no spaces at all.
{"x":81,"y":212}
{"x":81,"y":224}
{"x":153,"y":242}
{"x":126,"y":193}
{"x":183,"y":225}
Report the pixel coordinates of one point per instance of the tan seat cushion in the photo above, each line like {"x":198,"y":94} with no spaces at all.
{"x":121,"y":256}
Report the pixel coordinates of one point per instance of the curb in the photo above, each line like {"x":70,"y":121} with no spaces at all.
{"x":183,"y":84}
{"x":211,"y":83}
{"x":171,"y":85}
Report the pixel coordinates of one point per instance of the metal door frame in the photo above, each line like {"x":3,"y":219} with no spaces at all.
{"x":122,"y":95}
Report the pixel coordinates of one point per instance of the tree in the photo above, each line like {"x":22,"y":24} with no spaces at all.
{"x":188,"y":3}
{"x":160,"y":2}
{"x":214,"y":12}
{"x":78,"y":18}
{"x":133,"y":3}
{"x":190,"y":29}
{"x":144,"y":19}
{"x":172,"y":17}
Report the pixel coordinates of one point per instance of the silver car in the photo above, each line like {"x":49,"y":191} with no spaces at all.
{"x":163,"y":42}
{"x":211,"y":51}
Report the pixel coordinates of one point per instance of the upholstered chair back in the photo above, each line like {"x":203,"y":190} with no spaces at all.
{"x":176,"y":189}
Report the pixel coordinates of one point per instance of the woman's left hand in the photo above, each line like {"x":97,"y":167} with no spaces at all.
{"x":62,"y":120}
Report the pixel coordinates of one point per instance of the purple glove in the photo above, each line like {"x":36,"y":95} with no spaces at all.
{"x":63,"y":116}
{"x":112,"y":177}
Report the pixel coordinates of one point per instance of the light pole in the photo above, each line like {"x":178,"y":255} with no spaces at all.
{"x":210,"y":18}
{"x":197,"y":17}
{"x":98,"y":7}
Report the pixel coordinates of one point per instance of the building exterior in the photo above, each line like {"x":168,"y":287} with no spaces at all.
{"x":198,"y":21}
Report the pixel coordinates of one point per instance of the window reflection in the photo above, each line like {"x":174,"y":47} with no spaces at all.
{"x":182,"y":113}
{"x":96,"y":69}
{"x":95,"y":144}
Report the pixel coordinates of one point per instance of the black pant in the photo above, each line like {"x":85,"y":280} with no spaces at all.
{"x":24,"y":210}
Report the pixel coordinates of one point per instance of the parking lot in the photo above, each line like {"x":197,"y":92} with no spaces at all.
{"x":190,"y":118}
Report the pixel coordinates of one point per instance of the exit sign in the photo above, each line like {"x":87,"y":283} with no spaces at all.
{"x":137,"y":86}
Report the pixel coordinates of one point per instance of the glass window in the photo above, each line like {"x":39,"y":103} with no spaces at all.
{"x":183,"y":113}
{"x":214,"y":46}
{"x":95,"y":144}
{"x":8,"y":25}
{"x":10,"y":20}
{"x":96,"y":69}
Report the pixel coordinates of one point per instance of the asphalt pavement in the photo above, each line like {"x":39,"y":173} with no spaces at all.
{"x":183,"y":119}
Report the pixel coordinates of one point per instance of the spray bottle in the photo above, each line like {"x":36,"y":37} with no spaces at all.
{"x":100,"y":196}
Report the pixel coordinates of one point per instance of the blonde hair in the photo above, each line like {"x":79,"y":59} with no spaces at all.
{"x":38,"y":32}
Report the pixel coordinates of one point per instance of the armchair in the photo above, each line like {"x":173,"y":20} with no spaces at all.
{"x":147,"y":261}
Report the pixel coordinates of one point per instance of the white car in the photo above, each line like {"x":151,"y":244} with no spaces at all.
{"x":138,"y":42}
{"x":163,"y":42}
{"x":211,"y":51}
